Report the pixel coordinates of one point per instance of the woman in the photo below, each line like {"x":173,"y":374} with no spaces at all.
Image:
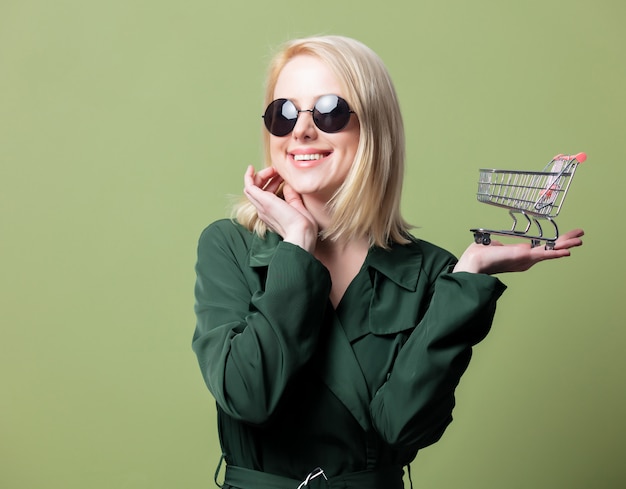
{"x":330,"y":337}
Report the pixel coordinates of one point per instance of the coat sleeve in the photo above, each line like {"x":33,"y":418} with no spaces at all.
{"x":252,"y":335}
{"x":414,"y":406}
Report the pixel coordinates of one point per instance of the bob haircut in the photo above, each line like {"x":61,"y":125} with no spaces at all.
{"x":367,"y":204}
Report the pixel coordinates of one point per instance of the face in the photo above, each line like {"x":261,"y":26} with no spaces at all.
{"x":314,"y":163}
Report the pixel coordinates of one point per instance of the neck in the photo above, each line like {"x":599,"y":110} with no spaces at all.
{"x":328,"y":247}
{"x":319,"y":210}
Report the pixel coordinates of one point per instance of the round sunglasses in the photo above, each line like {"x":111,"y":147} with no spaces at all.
{"x":330,"y":114}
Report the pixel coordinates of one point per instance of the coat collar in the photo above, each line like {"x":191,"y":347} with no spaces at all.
{"x":385,"y":261}
{"x":401,"y":263}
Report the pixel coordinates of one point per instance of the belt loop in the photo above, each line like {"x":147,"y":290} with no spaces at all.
{"x":217,"y":471}
{"x":371,"y":450}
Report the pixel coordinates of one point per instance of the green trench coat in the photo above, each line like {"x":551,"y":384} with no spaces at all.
{"x":301,"y":385}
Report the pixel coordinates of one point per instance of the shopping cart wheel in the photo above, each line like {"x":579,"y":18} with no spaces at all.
{"x":550,"y":245}
{"x":482,"y":238}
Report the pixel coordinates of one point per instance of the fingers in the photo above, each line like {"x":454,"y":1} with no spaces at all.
{"x":541,"y":254}
{"x":562,"y":247}
{"x":574,"y":234}
{"x":251,"y":188}
{"x":267,"y":179}
{"x":291,"y":196}
{"x":248,"y":178}
{"x":571,"y":239}
{"x":287,"y":216}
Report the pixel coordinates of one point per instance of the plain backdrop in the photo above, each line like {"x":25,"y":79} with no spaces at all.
{"x":125,"y":128}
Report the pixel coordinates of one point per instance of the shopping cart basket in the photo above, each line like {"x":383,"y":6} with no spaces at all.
{"x":537,"y":196}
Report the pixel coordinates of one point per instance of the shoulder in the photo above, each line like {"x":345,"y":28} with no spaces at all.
{"x":225,"y":234}
{"x":228,"y":238}
{"x":224,"y":228}
{"x":433,"y":256}
{"x":409,"y":263}
{"x":429,"y":248}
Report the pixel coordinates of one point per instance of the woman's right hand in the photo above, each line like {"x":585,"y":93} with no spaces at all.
{"x":289,"y":217}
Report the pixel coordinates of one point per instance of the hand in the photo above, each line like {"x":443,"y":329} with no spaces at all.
{"x":499,"y":258}
{"x":289,"y":217}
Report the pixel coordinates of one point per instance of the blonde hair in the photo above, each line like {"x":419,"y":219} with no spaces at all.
{"x":368,"y":202}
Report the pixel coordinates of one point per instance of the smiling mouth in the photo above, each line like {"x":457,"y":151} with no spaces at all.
{"x":310,"y":157}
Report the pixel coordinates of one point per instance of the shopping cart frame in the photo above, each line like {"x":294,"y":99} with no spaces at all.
{"x":536,"y":196}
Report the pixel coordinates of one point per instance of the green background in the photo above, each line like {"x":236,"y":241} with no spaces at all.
{"x":125,"y":128}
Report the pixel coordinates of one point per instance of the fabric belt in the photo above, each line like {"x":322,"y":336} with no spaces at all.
{"x":385,"y":478}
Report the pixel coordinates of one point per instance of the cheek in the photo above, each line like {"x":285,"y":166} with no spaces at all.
{"x":276,"y":151}
{"x":351,"y":140}
{"x":351,"y":145}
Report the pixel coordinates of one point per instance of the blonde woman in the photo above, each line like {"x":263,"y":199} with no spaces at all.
{"x":331,"y":338}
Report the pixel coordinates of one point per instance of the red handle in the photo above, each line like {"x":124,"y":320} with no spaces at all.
{"x":580,"y":157}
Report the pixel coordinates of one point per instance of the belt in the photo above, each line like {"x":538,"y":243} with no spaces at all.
{"x":385,"y":478}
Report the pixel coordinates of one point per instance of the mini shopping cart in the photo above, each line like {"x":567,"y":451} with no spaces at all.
{"x":535,"y":195}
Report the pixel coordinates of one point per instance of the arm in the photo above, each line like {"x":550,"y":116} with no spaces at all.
{"x":251,"y":338}
{"x":414,"y":406}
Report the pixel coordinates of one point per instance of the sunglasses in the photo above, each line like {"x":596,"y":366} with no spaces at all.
{"x":330,"y":114}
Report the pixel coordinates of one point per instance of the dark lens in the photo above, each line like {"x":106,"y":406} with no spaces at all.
{"x":331,"y":113}
{"x":280,"y":117}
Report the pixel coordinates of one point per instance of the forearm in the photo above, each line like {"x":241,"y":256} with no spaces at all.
{"x":250,"y":343}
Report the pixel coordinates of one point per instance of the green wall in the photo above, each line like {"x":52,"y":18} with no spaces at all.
{"x":125,"y":127}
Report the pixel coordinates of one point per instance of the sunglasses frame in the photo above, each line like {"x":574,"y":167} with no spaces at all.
{"x":315,"y":114}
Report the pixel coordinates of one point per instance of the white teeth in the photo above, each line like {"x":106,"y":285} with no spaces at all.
{"x":308,"y":157}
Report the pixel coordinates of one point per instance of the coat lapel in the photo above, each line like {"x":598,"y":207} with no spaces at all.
{"x":336,"y":362}
{"x":342,"y":374}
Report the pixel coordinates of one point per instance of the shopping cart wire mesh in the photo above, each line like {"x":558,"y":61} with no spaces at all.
{"x":537,"y":196}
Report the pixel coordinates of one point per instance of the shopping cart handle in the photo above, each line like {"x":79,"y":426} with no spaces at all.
{"x":580,"y":157}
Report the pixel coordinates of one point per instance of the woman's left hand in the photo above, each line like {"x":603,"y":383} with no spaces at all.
{"x":500,"y":258}
{"x":287,"y":216}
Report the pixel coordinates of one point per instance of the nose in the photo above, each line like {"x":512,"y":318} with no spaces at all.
{"x":305,"y":127}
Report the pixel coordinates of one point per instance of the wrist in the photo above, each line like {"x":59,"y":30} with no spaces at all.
{"x":305,"y":240}
{"x":469,"y":264}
